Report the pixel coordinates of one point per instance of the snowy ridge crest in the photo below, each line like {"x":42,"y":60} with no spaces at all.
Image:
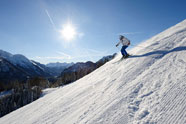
{"x":20,"y":64}
{"x":16,"y":59}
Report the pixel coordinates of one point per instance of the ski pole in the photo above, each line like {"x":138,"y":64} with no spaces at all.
{"x":117,"y":47}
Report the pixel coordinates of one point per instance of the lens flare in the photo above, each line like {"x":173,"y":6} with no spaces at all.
{"x":68,"y":32}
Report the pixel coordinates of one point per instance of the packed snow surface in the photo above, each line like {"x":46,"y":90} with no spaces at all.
{"x":147,"y":88}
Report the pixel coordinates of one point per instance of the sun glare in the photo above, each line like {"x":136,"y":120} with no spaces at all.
{"x":68,"y":32}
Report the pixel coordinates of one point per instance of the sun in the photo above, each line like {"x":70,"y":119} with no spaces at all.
{"x":68,"y":32}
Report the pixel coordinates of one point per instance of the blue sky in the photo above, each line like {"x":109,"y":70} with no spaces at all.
{"x":32,"y":27}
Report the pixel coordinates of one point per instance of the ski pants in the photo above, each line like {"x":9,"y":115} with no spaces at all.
{"x":123,"y":51}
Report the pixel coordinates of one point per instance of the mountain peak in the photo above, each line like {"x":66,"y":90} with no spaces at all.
{"x":5,"y":54}
{"x":16,"y":59}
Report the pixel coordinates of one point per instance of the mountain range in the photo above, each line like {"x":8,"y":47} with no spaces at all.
{"x":57,"y":68}
{"x":18,"y":67}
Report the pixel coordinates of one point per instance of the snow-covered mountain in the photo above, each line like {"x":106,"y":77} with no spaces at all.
{"x":58,"y":64}
{"x":147,"y":88}
{"x":8,"y":71}
{"x":16,"y":59}
{"x":105,"y":59}
{"x":19,"y":67}
{"x":81,"y":69}
{"x":57,"y":68}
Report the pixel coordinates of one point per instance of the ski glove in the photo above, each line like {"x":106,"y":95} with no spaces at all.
{"x":129,"y":43}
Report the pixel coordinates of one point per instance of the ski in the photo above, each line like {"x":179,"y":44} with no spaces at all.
{"x":123,"y":58}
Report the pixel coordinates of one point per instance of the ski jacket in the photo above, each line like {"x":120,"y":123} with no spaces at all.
{"x":124,"y":42}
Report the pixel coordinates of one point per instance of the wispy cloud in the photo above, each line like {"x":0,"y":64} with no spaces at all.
{"x":49,"y":57}
{"x":64,"y":54}
{"x":86,"y":54}
{"x":93,"y":51}
{"x":52,"y":22}
{"x":129,"y":33}
{"x":61,"y":56}
{"x":90,"y":53}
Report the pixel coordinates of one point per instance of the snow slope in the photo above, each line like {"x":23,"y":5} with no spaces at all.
{"x":147,"y":88}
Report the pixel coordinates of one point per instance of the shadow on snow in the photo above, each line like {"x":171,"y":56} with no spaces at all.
{"x":161,"y":52}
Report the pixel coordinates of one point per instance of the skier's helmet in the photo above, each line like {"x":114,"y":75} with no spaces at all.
{"x":121,"y":37}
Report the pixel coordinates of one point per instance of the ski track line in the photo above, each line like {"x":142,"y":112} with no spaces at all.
{"x":165,"y":96}
{"x":170,"y":101}
{"x":181,"y":103}
{"x":181,"y":113}
{"x":169,"y":118}
{"x":164,"y":101}
{"x":172,"y":105}
{"x":181,"y":106}
{"x":99,"y":97}
{"x":99,"y":111}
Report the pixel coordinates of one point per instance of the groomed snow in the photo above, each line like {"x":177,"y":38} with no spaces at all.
{"x":147,"y":88}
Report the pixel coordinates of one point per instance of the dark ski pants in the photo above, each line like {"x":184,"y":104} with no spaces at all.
{"x":123,"y":51}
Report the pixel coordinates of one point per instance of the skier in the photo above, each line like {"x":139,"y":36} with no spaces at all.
{"x":125,"y":42}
